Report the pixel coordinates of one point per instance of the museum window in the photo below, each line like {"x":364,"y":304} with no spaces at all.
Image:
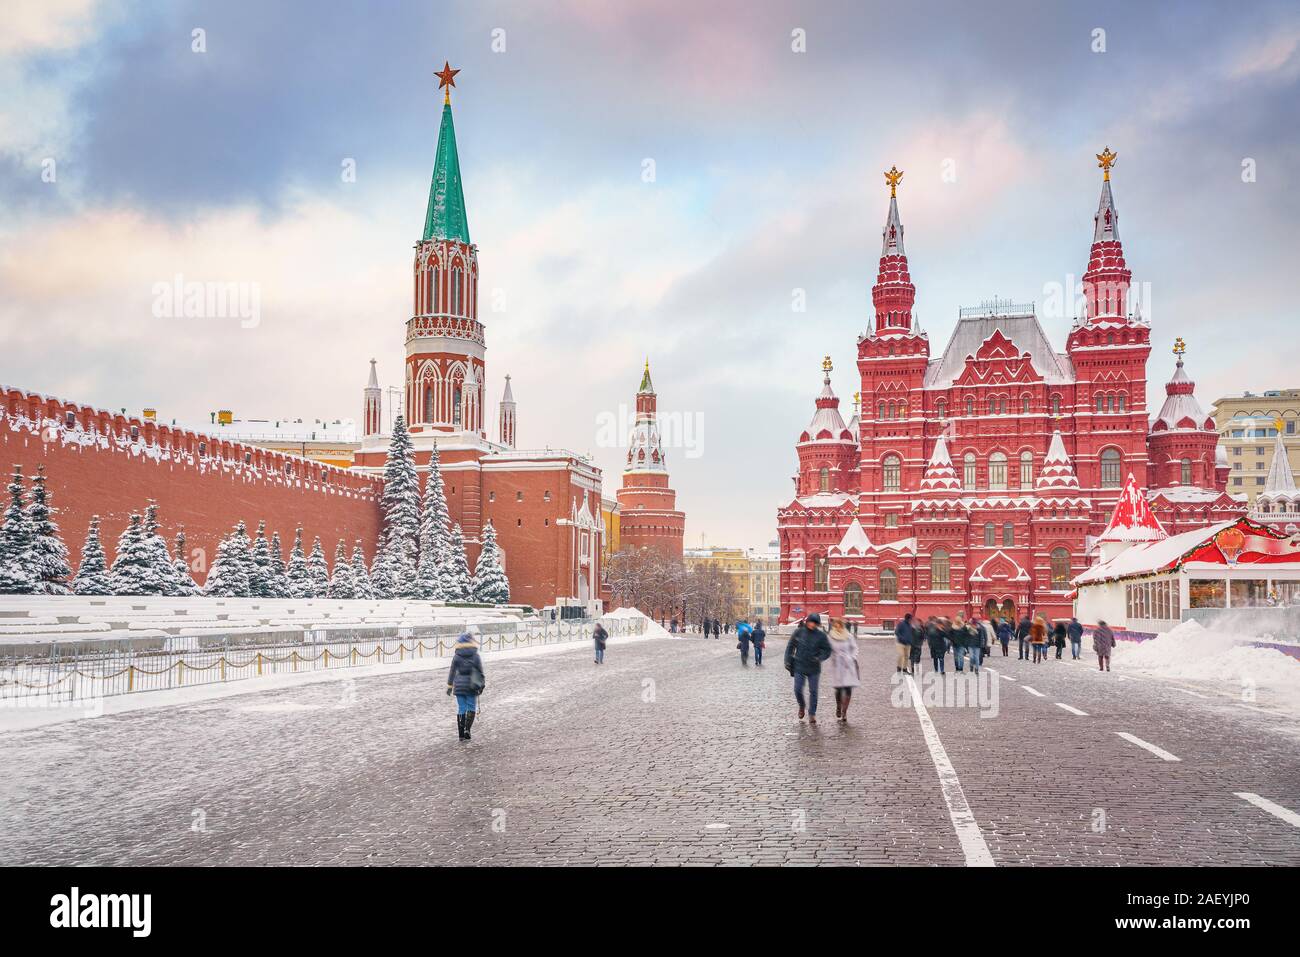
{"x":941,"y":409}
{"x":1008,"y":533}
{"x":968,"y":470}
{"x":998,"y":471}
{"x":1185,"y":476}
{"x":893,"y":473}
{"x":824,"y":480}
{"x":881,"y":414}
{"x":1060,"y":568}
{"x":990,"y":534}
{"x":1121,"y":401}
{"x":891,"y":520}
{"x":1101,"y":403}
{"x":1110,"y":468}
{"x":1025,"y":404}
{"x":888,"y":585}
{"x":939,"y":570}
{"x":852,"y":599}
{"x":1026,"y":469}
{"x":1056,"y":405}
{"x":970,"y":405}
{"x":821,"y":573}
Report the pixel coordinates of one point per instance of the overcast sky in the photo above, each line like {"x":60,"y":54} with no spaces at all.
{"x":226,"y":166}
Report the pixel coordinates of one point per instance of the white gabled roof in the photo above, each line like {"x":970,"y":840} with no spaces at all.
{"x":940,"y":475}
{"x":1024,"y":331}
{"x":855,"y":540}
{"x":1057,"y":473}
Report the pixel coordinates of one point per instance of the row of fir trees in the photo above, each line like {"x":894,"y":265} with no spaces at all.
{"x":420,"y":555}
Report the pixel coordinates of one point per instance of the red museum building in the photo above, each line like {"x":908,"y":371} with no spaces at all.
{"x":981,"y":478}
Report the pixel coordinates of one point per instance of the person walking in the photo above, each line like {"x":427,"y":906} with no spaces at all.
{"x":918,"y":647}
{"x":1004,"y":634}
{"x":1022,"y":636}
{"x":1103,"y":642}
{"x":465,"y":679}
{"x":1074,"y":631}
{"x":1038,"y":638}
{"x":959,"y":638}
{"x":804,"y":654}
{"x":742,"y":642}
{"x":975,"y":644}
{"x":759,"y":640}
{"x":1058,"y":638}
{"x":717,"y":629}
{"x":599,"y":635}
{"x":936,"y":638}
{"x":903,"y":643}
{"x":843,"y":666}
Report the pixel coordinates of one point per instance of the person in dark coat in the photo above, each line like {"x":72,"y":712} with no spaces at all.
{"x":1058,"y":638}
{"x":1103,"y":642}
{"x":903,"y":643}
{"x":743,"y":634}
{"x":1005,"y":631}
{"x":758,"y":638}
{"x":807,"y":648}
{"x":918,"y":646}
{"x":958,"y":636}
{"x":1074,"y":631}
{"x":717,"y":629}
{"x":600,"y":636}
{"x":1022,"y":636}
{"x":937,"y":639}
{"x":466,"y":680}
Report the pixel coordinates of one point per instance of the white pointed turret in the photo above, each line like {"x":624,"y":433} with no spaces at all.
{"x":892,"y":234}
{"x":1131,"y":522}
{"x":940,"y":475}
{"x":372,"y":405}
{"x":1280,"y":481}
{"x":855,"y":540}
{"x":1106,"y":222}
{"x":1057,"y":474}
{"x":506,"y":418}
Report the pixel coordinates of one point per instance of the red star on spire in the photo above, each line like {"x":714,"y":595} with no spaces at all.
{"x":446,"y":78}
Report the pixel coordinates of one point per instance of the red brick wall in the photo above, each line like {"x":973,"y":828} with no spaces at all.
{"x":98,"y":468}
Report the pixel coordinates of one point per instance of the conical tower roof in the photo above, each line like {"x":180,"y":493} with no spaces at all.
{"x":1133,"y":520}
{"x":1057,"y":474}
{"x":940,"y":475}
{"x":508,"y":395}
{"x":1280,"y":481}
{"x":445,"y":217}
{"x":646,"y":384}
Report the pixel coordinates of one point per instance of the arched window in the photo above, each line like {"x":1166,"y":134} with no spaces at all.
{"x":893,"y":411}
{"x":1186,"y":476}
{"x":437,"y":289}
{"x":455,"y":405}
{"x":990,"y":533}
{"x":968,"y":470}
{"x":1026,"y":469}
{"x":970,"y":405}
{"x":1008,"y":533}
{"x":1060,"y":568}
{"x":1101,"y":402}
{"x":881,"y":414}
{"x":1110,"y":468}
{"x":852,"y":599}
{"x":824,"y":480}
{"x":941,"y":409}
{"x":893,"y":473}
{"x":940,"y":570}
{"x":993,"y":406}
{"x":1120,"y":401}
{"x":428,"y":403}
{"x":1024,"y":404}
{"x":455,"y":291}
{"x":888,"y":584}
{"x":821,"y":573}
{"x":998,"y":471}
{"x":1056,"y":405}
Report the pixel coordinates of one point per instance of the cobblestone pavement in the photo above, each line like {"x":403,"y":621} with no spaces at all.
{"x":669,"y":753}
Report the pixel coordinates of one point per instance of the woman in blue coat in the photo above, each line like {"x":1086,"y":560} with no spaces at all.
{"x":465,"y":679}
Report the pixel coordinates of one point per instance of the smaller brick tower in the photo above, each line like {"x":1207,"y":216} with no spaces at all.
{"x":648,"y":507}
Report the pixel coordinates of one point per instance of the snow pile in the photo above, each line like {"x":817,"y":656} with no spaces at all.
{"x":652,"y":628}
{"x":1193,"y":652}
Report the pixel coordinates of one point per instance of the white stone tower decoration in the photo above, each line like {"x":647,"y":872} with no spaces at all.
{"x":372,"y":408}
{"x":506,"y":420}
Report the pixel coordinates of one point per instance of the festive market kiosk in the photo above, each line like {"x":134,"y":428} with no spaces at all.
{"x":1147,"y":581}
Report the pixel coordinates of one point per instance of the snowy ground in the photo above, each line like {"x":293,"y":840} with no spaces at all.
{"x":22,"y":714}
{"x":1215,"y":662}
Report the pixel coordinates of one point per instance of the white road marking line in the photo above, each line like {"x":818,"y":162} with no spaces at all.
{"x":1082,"y":714}
{"x":1194,"y":694}
{"x":1006,"y":678}
{"x":1158,"y":752}
{"x":969,"y":836}
{"x":1034,"y":691}
{"x":1277,"y":810}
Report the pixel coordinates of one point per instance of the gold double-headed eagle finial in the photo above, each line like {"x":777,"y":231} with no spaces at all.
{"x":1179,"y":347}
{"x":1106,"y":159}
{"x":892,"y":177}
{"x":827,"y":366}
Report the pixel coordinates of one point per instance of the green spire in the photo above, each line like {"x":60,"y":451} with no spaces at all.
{"x":445,"y":218}
{"x":645,"y":379}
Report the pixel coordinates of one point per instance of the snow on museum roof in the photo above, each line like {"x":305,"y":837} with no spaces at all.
{"x":1133,"y":520}
{"x":1023,"y":329}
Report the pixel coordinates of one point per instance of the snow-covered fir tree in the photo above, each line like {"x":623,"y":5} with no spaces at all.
{"x":435,"y":532}
{"x":92,"y":575}
{"x":360,"y":577}
{"x":319,"y":569}
{"x":385,"y":572}
{"x":162,"y":559}
{"x":341,"y":585}
{"x":135,"y":568}
{"x":298,"y":579}
{"x":242,"y":552}
{"x":454,"y":570}
{"x":16,"y":576}
{"x":490,"y":582}
{"x":228,"y":576}
{"x":279,"y":576}
{"x":185,"y":583}
{"x":50,"y":567}
{"x":401,"y":506}
{"x":261,"y":577}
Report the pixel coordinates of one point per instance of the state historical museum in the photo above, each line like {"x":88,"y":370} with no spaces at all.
{"x":980,"y":479}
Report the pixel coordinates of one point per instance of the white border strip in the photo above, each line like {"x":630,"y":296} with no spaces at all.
{"x":1277,"y":810}
{"x":1034,"y":691}
{"x":972,"y":842}
{"x":1081,"y":714}
{"x":1158,"y":752}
